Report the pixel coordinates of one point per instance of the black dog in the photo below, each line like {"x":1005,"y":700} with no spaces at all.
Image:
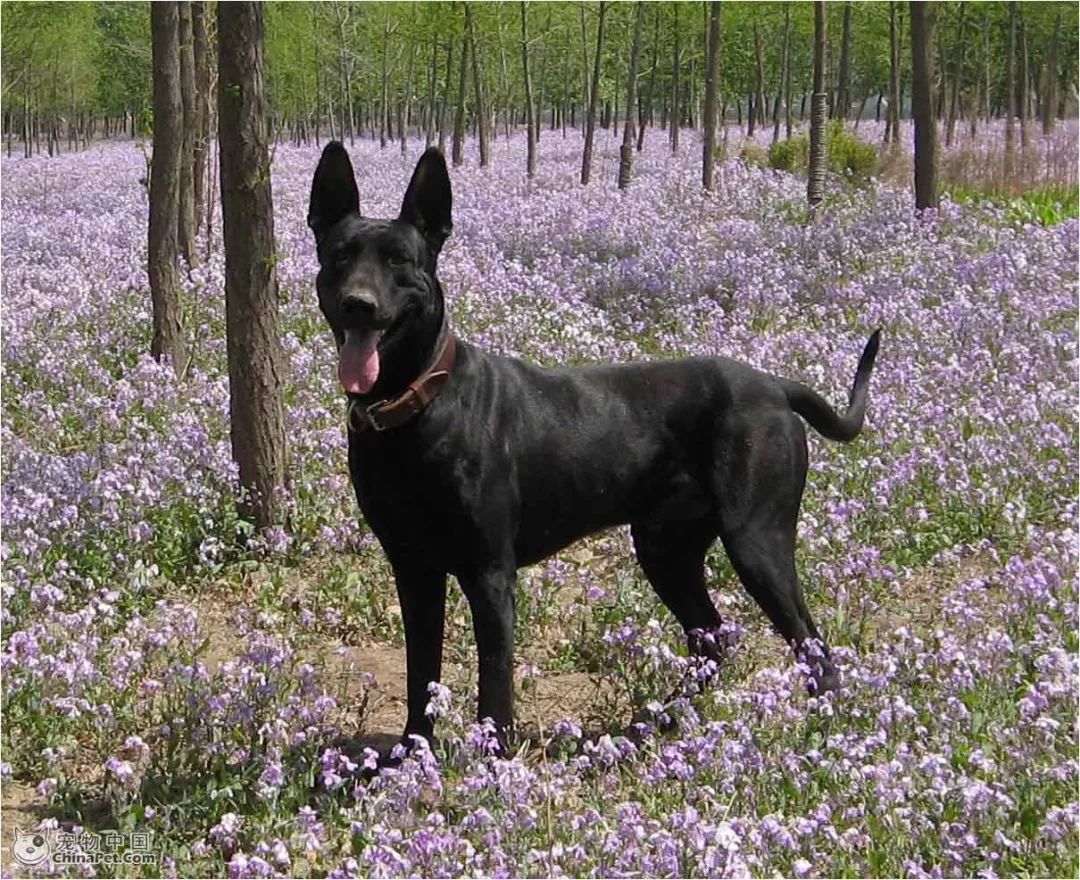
{"x":471,"y":464}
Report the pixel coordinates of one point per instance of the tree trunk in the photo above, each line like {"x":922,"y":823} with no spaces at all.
{"x":892,"y":122}
{"x":986,"y":65}
{"x":26,"y":129}
{"x":1010,"y":94}
{"x":384,"y":103}
{"x":676,"y":63}
{"x":626,"y":151}
{"x":505,"y":83}
{"x":922,"y":107}
{"x":530,"y":109}
{"x":478,"y":89}
{"x":251,"y":297}
{"x":788,"y":112}
{"x":406,"y":101}
{"x":432,"y":95}
{"x":590,"y":117}
{"x":712,"y":85}
{"x":754,"y":114}
{"x":168,"y":336}
{"x":613,"y":119}
{"x":586,"y":93}
{"x":958,"y":76}
{"x":544,"y":84}
{"x":316,"y":40}
{"x":342,"y":11}
{"x":1065,"y":75}
{"x":785,"y":80}
{"x":976,"y":104}
{"x":445,"y":103}
{"x":187,"y":227}
{"x":457,"y":150}
{"x":843,"y":96}
{"x":1050,"y":81}
{"x":1023,"y":77}
{"x":202,"y":105}
{"x":651,"y":90}
{"x":819,"y":108}
{"x":691,"y":96}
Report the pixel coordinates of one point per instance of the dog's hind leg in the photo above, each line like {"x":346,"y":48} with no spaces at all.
{"x":672,"y":554}
{"x":765,"y":562}
{"x":759,"y":488}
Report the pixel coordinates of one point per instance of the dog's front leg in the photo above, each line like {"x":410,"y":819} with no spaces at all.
{"x":422,"y":594}
{"x":491,"y":600}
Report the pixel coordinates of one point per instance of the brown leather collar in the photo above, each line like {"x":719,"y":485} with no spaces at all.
{"x":385,"y":414}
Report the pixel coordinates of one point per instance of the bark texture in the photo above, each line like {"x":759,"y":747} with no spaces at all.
{"x":922,"y":105}
{"x":590,"y":118}
{"x":188,"y":225}
{"x":819,"y":108}
{"x":626,"y":151}
{"x":251,"y":307}
{"x":168,"y":335}
{"x":676,"y":96}
{"x":1010,"y":94}
{"x":1050,"y":81}
{"x":712,"y":64}
{"x":478,"y":90}
{"x":957,"y":82}
{"x":843,"y":92}
{"x":892,"y":122}
{"x":530,"y":108}
{"x":202,"y":56}
{"x":1022,"y":76}
{"x":457,"y":148}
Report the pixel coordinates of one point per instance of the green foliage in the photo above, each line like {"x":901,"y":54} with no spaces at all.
{"x":791,"y":154}
{"x":47,"y":52}
{"x":1046,"y":206}
{"x":326,"y":59}
{"x":122,"y":48}
{"x":847,"y":154}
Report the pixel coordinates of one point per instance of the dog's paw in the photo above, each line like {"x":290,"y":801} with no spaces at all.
{"x":823,"y":681}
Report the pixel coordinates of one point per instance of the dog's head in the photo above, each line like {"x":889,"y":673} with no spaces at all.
{"x":375,"y":276}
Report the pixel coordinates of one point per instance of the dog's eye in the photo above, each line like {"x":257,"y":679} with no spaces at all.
{"x":397,"y":261}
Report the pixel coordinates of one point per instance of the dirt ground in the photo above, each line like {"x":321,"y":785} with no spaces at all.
{"x":376,"y":711}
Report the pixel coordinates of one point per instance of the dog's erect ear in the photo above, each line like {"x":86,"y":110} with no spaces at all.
{"x":428,"y":201}
{"x":333,"y":191}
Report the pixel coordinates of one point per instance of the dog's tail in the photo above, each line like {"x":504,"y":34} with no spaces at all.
{"x":822,"y":417}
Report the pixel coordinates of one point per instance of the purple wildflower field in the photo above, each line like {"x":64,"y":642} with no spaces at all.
{"x":164,"y":670}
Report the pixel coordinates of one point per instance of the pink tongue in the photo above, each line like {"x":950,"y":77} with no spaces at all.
{"x":359,"y":365}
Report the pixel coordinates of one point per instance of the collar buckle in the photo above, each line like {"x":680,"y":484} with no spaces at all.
{"x":382,"y":415}
{"x":371,"y":416}
{"x":360,"y":417}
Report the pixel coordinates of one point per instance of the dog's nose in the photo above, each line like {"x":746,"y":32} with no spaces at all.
{"x":357,"y":305}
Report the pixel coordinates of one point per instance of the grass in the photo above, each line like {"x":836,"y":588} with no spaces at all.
{"x":1047,"y":206}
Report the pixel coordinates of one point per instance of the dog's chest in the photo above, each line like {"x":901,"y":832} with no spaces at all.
{"x":423,"y":508}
